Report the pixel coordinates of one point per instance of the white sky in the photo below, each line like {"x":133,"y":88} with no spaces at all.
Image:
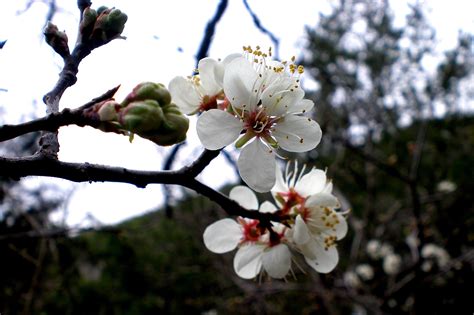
{"x":155,"y":30}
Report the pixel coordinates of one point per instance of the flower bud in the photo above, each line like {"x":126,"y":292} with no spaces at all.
{"x":109,"y":24}
{"x":89,"y":17}
{"x":174,"y":128}
{"x":115,"y":23}
{"x":141,"y":117}
{"x":56,"y":39}
{"x":108,"y":111}
{"x":148,"y":90}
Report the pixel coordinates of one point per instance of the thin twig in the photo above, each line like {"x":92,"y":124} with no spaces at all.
{"x":258,"y":24}
{"x":53,"y":121}
{"x":210,"y":30}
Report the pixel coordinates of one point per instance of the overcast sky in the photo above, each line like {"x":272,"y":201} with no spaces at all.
{"x":162,"y":39}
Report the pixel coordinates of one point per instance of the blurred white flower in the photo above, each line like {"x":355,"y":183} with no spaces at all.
{"x":446,"y":186}
{"x":439,"y":254}
{"x":376,"y":250}
{"x":373,"y":248}
{"x":351,"y":279}
{"x":365,"y":272}
{"x":392,"y":263}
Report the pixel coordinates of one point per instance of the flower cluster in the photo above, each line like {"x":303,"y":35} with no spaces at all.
{"x":252,"y":101}
{"x":309,"y":225}
{"x":258,"y":104}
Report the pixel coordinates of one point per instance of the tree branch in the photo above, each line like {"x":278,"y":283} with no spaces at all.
{"x":40,"y":165}
{"x":53,"y":121}
{"x":258,"y":24}
{"x":210,"y":30}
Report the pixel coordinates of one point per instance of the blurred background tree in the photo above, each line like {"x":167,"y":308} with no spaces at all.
{"x":398,"y":146}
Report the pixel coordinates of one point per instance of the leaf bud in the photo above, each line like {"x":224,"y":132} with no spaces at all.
{"x":56,"y":39}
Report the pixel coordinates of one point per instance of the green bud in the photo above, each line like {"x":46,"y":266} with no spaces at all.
{"x":173,"y":130}
{"x":89,"y":17}
{"x":98,"y":35}
{"x":115,"y":23}
{"x":56,"y":39}
{"x":102,"y":9}
{"x":108,"y":111}
{"x":148,"y":90}
{"x":141,"y":117}
{"x":109,"y":24}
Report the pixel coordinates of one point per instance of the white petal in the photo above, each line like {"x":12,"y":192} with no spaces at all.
{"x":277,"y":261}
{"x":256,"y":165}
{"x":326,"y":260}
{"x":208,"y":73}
{"x":267,"y":206}
{"x":184,"y":94}
{"x":248,"y":261}
{"x":297,"y":133}
{"x":278,"y":102}
{"x":301,"y":107}
{"x":341,"y":228}
{"x":311,"y":183}
{"x":322,"y":200}
{"x":222,"y":236}
{"x":244,"y":197}
{"x":328,"y":188}
{"x":280,"y":184}
{"x":239,"y":83}
{"x":301,"y":233}
{"x":219,"y":70}
{"x":217,"y":128}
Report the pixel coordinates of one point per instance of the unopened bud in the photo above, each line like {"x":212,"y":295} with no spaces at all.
{"x":56,"y":39}
{"x":141,"y":117}
{"x":174,"y":128}
{"x":115,"y":23}
{"x":109,"y":24}
{"x":89,"y":17}
{"x":108,"y":111}
{"x":148,"y":90}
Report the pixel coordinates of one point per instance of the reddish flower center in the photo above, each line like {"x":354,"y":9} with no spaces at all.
{"x":292,"y":199}
{"x":208,"y":102}
{"x":251,"y":230}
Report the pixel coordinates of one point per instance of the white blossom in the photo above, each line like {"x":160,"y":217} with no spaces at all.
{"x":265,"y":113}
{"x":446,"y":186}
{"x":365,"y":271}
{"x":392,"y":263}
{"x":351,"y":279}
{"x":257,"y":250}
{"x":202,"y":91}
{"x":317,"y":225}
{"x":439,"y":254}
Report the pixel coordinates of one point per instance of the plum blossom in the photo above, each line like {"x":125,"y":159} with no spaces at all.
{"x":265,"y":113}
{"x":436,"y":253}
{"x":365,"y":271}
{"x":258,"y":249}
{"x":204,"y":90}
{"x":392,"y":264}
{"x":317,"y":225}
